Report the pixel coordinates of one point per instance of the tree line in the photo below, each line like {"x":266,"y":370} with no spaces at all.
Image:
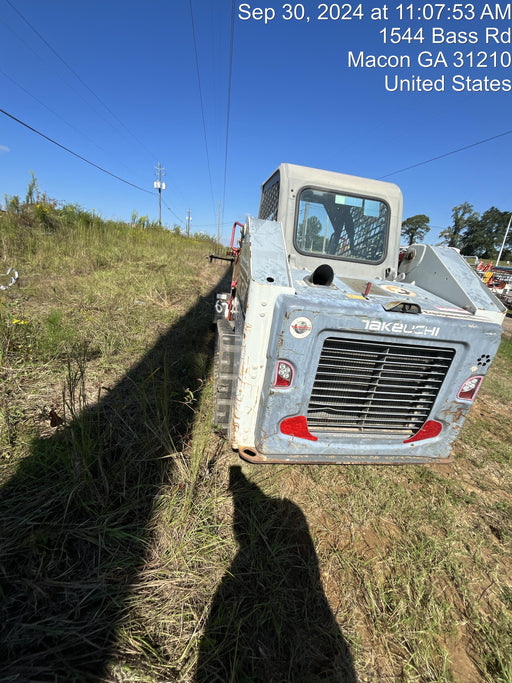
{"x":474,"y":234}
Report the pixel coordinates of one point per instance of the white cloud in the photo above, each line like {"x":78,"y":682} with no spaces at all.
{"x":4,"y":149}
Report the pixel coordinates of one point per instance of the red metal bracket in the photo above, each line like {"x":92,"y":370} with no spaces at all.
{"x":234,"y":249}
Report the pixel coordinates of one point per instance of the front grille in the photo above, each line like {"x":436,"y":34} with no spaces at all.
{"x":376,"y":387}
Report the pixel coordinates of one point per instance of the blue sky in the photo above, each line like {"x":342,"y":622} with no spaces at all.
{"x":293,"y":98}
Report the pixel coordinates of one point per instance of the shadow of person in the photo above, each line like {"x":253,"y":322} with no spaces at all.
{"x":270,"y":620}
{"x":76,"y":516}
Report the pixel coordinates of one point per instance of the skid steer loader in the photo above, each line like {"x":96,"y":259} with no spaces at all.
{"x":332,"y":350}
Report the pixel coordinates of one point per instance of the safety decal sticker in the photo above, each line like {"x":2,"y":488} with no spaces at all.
{"x":396,"y":289}
{"x":301,"y":327}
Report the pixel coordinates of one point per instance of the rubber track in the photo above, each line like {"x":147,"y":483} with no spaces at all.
{"x":223,"y":375}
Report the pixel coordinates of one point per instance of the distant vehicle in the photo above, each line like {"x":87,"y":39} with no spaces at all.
{"x":328,"y":349}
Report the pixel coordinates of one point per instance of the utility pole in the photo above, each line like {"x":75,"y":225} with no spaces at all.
{"x":504,"y":240}
{"x":158,"y":184}
{"x":188,"y":223}
{"x":218,"y":231}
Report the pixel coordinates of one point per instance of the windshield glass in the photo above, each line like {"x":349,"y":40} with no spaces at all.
{"x":341,"y":226}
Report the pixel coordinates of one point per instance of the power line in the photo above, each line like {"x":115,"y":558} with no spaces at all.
{"x":78,"y":77}
{"x":100,"y":168}
{"x":169,"y":208}
{"x":228,"y":103}
{"x":70,"y":86}
{"x":442,"y":156}
{"x":52,"y":111}
{"x":201,"y":101}
{"x":38,"y":56}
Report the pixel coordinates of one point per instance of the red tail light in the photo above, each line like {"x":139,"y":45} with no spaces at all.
{"x":297,"y":426}
{"x":469,"y":389}
{"x":284,"y":374}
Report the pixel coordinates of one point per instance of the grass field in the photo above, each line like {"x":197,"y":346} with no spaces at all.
{"x":135,"y":546}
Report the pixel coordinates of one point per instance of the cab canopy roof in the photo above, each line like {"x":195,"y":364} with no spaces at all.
{"x":290,"y":187}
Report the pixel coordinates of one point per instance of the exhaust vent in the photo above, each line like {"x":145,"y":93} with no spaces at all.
{"x":375,"y":387}
{"x":322,"y":275}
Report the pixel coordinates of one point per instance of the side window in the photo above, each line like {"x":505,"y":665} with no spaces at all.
{"x":341,"y":226}
{"x":270,"y":200}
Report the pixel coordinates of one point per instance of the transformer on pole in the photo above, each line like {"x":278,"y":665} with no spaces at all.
{"x":159,"y":185}
{"x":189,"y":218}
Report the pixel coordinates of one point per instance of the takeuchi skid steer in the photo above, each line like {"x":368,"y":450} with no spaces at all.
{"x":331,"y":351}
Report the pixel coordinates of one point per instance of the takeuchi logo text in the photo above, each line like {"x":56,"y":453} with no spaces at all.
{"x":400,"y":328}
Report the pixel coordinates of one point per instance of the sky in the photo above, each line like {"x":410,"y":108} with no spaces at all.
{"x":221,"y":101}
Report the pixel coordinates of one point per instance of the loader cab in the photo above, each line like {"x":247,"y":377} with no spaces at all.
{"x":352,"y":224}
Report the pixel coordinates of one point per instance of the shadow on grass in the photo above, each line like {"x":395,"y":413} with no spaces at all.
{"x":270,"y":619}
{"x":75,"y":519}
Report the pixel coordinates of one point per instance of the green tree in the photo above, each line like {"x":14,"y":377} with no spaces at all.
{"x":464,"y":218}
{"x":494,"y":225}
{"x":415,"y":228}
{"x":481,"y":236}
{"x":310,"y":239}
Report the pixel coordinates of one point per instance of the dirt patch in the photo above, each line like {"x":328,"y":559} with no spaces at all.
{"x":507,"y":325}
{"x":460,"y":652}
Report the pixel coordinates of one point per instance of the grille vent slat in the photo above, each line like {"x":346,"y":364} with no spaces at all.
{"x":375,"y":387}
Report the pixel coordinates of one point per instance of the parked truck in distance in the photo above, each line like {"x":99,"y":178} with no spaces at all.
{"x":330,"y":350}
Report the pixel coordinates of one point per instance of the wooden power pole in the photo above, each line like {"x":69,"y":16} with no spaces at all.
{"x":159,"y":185}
